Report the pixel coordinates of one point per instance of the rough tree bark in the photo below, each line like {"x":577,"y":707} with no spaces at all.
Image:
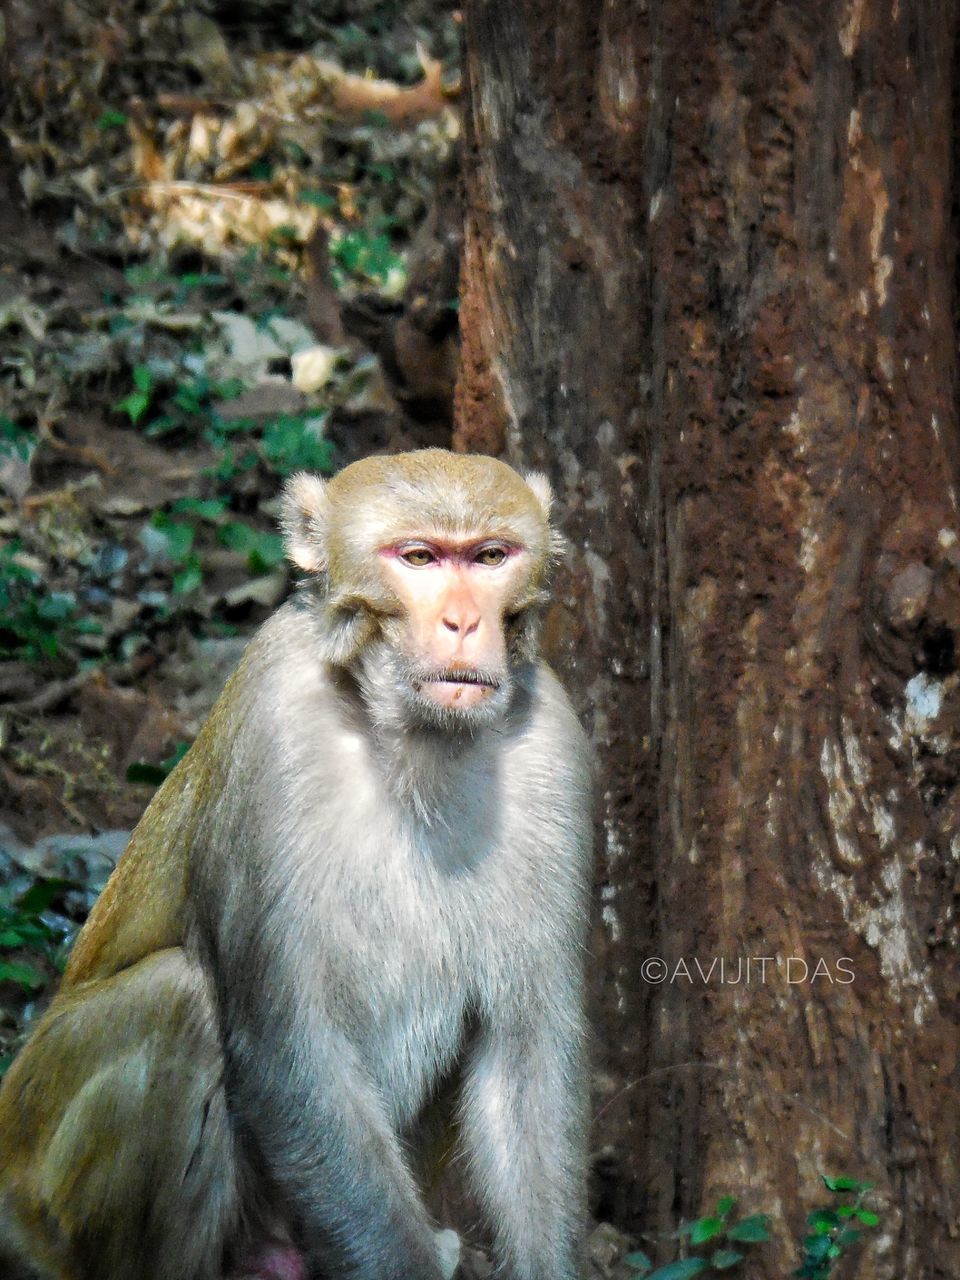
{"x":709,"y":287}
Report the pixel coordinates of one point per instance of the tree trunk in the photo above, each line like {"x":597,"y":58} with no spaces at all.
{"x":709,"y":287}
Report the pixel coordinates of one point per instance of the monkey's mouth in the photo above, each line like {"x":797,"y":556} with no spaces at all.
{"x":458,"y":690}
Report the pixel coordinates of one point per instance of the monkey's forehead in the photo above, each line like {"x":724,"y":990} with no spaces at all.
{"x":428,"y":470}
{"x":454,"y":493}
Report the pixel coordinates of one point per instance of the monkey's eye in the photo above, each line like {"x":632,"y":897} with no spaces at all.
{"x":418,"y":557}
{"x":490,"y":556}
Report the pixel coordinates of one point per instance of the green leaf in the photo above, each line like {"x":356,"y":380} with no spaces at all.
{"x":24,"y":975}
{"x":15,"y":439}
{"x":725,"y":1205}
{"x":200,"y":279}
{"x":154,"y":774}
{"x":682,"y":1269}
{"x":868,"y":1217}
{"x":57,"y":606}
{"x":141,"y":273}
{"x":817,"y":1248}
{"x":178,"y":536}
{"x":845,"y":1184}
{"x":320,"y":199}
{"x":750,"y":1230}
{"x":823,"y":1221}
{"x":203,"y":508}
{"x":229,"y":389}
{"x":111,"y":120}
{"x":40,"y":895}
{"x":264,"y":551}
{"x":140,"y":771}
{"x":137,"y":402}
{"x":704,"y":1229}
{"x":267,"y":553}
{"x":163,"y":425}
{"x":721,"y":1259}
{"x":179,"y":751}
{"x":366,"y":254}
{"x":638,"y":1261}
{"x":237,"y":535}
{"x":134,"y":405}
{"x":849,"y":1235}
{"x":294,"y":443}
{"x":25,"y":932}
{"x":189,"y":578}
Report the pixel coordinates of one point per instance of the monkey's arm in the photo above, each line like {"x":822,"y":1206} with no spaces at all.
{"x":524,"y":1125}
{"x":312,"y":1120}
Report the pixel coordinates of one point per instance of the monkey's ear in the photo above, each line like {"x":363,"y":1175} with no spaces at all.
{"x":303,"y":519}
{"x":540,"y":485}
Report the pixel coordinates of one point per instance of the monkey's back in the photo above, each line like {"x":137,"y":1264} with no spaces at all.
{"x":142,"y":908}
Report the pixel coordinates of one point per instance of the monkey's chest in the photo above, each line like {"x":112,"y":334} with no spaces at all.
{"x":409,"y":1016}
{"x":422,"y":943}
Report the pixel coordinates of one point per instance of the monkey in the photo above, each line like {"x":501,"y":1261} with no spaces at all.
{"x":366,"y":877}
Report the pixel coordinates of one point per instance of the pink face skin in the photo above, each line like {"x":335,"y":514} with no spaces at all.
{"x":455,"y":594}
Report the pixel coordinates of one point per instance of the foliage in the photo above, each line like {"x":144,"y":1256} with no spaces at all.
{"x":24,"y":929}
{"x":15,"y":441}
{"x":831,"y":1229}
{"x":185,"y":398}
{"x":142,"y":771}
{"x":715,"y":1229}
{"x":137,"y":402}
{"x":292,"y":442}
{"x":830,"y":1236}
{"x":282,"y":445}
{"x":35,"y":623}
{"x":181,"y":399}
{"x":264,"y":551}
{"x":367,"y":254}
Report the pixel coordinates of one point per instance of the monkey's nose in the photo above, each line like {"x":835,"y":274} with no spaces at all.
{"x":463,"y":624}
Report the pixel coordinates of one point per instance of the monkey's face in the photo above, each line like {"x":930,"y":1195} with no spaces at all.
{"x":455,"y":596}
{"x":429,"y":572}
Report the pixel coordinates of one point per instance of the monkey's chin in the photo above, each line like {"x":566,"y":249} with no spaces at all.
{"x":456,"y":706}
{"x":457,"y":695}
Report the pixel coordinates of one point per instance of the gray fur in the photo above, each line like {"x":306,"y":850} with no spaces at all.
{"x":426,"y":879}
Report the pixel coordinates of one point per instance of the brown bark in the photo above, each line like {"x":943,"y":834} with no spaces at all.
{"x":709,"y":287}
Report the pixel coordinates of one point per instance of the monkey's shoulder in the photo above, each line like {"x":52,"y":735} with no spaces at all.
{"x":544,"y":721}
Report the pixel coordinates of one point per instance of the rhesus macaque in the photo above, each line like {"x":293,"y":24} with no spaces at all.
{"x":368,"y":873}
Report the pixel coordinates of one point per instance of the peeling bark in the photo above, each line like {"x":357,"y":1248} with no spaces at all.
{"x":709,"y":286}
